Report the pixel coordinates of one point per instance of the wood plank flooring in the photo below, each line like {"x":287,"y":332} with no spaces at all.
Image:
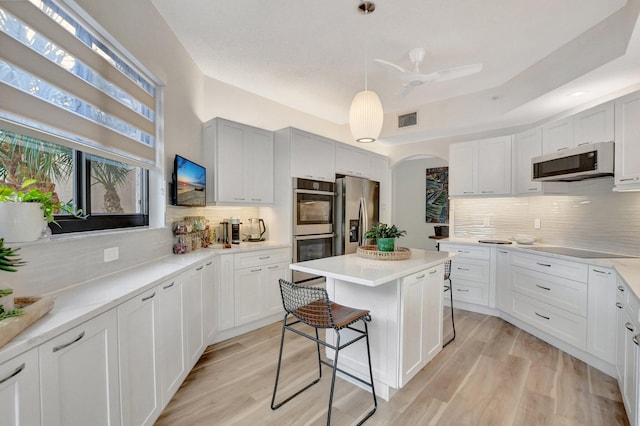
{"x":492,"y":374}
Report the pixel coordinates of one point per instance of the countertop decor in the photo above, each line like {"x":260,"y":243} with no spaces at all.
{"x":33,"y":309}
{"x":372,"y":252}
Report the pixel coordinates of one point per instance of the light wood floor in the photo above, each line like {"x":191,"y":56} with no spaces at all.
{"x":492,"y":374}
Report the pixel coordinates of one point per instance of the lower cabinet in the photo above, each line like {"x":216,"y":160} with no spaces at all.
{"x":421,"y":310}
{"x":503,"y":280}
{"x":193,"y":321}
{"x":470,"y":273}
{"x":79,"y":375}
{"x":20,"y":390}
{"x":139,"y":349}
{"x":210,"y":291}
{"x":601,"y":314}
{"x":627,"y":350}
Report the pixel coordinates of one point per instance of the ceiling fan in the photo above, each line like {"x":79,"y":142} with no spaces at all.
{"x":414,"y":78}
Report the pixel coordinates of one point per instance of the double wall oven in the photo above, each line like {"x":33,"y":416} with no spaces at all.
{"x":313,"y":233}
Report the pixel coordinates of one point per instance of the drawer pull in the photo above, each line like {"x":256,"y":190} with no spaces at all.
{"x":273,"y":267}
{"x":144,"y":299}
{"x":21,"y":367}
{"x":264,"y":257}
{"x":435,"y":271}
{"x":628,"y":179}
{"x":542,"y":316}
{"x":463,"y":290}
{"x":532,"y":189}
{"x":544,"y":264}
{"x":621,"y":289}
{"x":635,"y":340}
{"x":463,"y":251}
{"x":542,"y":287}
{"x":601,"y":272}
{"x":462,"y":269}
{"x":629,"y":327}
{"x":420,"y":277}
{"x":209,"y":262}
{"x":503,"y":252}
{"x":619,"y":305}
{"x":200,"y":268}
{"x":169,"y":286}
{"x":256,"y":270}
{"x":64,"y":345}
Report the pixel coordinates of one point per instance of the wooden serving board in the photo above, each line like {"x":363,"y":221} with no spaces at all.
{"x":34,"y":309}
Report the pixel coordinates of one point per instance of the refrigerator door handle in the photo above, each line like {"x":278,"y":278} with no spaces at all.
{"x":364,"y":222}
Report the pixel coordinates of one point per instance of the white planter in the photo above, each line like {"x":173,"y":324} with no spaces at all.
{"x":20,"y":222}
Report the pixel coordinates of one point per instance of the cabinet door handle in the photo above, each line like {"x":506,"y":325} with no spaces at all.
{"x":200,"y":268}
{"x":563,"y":148}
{"x":273,"y":267}
{"x":503,"y":252}
{"x":628,"y":179}
{"x":209,"y":262}
{"x":541,"y":316}
{"x":584,"y":143}
{"x":64,"y":345}
{"x":462,"y":269}
{"x":21,"y":367}
{"x":601,"y":272}
{"x":487,"y":192}
{"x":238,"y":199}
{"x":144,"y":299}
{"x":543,"y":287}
{"x":463,"y":290}
{"x":619,"y":305}
{"x":256,"y":270}
{"x":463,"y":251}
{"x":629,"y":327}
{"x":433,"y":272}
{"x":420,"y":277}
{"x":532,"y":189}
{"x":264,"y":257}
{"x":635,"y":340}
{"x":169,"y":286}
{"x":468,"y":192}
{"x":544,"y":264}
{"x":621,"y":289}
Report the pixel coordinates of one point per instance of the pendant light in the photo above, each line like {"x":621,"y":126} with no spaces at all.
{"x":366,"y":114}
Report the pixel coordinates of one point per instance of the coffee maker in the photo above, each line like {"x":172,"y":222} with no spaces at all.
{"x":231,"y":230}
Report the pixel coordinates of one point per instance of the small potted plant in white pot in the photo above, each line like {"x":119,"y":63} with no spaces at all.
{"x":25,"y":211}
{"x":385,"y":236}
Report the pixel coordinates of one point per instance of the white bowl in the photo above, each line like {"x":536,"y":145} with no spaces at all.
{"x":523,"y":238}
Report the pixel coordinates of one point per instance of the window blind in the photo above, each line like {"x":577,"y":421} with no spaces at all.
{"x":60,"y":80}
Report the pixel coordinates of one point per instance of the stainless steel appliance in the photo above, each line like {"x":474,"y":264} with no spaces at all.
{"x":257,"y":229}
{"x":313,"y":236}
{"x":357,"y":210}
{"x":233,"y":229}
{"x":582,"y":162}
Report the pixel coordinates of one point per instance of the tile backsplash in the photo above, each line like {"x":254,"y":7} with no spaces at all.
{"x":590,"y":216}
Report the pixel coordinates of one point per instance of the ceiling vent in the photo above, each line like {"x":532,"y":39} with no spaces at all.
{"x":408,"y":120}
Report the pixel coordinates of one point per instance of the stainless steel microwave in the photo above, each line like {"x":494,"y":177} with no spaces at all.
{"x":579,"y":163}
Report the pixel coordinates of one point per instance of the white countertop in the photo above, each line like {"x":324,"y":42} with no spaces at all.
{"x":370,"y":272}
{"x":79,"y":303}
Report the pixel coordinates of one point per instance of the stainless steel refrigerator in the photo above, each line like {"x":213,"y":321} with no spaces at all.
{"x":357,"y":209}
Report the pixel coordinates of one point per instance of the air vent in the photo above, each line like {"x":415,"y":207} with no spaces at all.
{"x":407,"y":120}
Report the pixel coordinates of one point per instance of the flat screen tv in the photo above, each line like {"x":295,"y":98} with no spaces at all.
{"x":189,"y":183}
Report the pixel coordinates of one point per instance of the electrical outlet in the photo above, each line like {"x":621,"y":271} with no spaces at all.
{"x":111,"y":254}
{"x":536,"y":223}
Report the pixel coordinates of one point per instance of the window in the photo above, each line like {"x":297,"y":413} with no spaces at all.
{"x":83,"y":117}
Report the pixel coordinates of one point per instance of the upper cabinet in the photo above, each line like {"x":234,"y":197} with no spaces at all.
{"x":593,"y":125}
{"x":526,"y":145}
{"x":239,"y":162}
{"x":352,"y":161}
{"x":480,"y":167}
{"x":627,"y":152}
{"x":312,"y":156}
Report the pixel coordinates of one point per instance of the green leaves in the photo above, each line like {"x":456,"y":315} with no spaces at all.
{"x":8,"y":260}
{"x":384,"y":231}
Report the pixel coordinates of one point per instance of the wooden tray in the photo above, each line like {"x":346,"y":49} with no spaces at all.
{"x":34,"y":309}
{"x":371,"y":252}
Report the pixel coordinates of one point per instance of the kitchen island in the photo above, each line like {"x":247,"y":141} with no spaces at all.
{"x":405,"y":301}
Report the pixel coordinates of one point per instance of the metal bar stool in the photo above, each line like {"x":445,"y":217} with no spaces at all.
{"x":311,"y":306}
{"x":449,"y":288}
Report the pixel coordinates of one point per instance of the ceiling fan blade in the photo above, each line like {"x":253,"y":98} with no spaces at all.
{"x":390,"y":64}
{"x":457,"y":72}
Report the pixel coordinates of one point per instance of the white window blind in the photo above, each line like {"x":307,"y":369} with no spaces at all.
{"x":61,"y":81}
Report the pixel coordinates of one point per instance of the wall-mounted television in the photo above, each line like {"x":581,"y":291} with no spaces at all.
{"x":189,"y":183}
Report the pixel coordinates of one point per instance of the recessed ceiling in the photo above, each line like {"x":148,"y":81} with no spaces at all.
{"x":311,"y":55}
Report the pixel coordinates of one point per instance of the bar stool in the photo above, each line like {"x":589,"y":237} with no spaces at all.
{"x":449,"y":288}
{"x":311,"y":306}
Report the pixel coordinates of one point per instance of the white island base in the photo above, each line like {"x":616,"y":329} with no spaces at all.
{"x":405,"y":301}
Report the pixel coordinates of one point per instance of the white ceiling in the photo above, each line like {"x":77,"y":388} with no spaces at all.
{"x":310,"y":55}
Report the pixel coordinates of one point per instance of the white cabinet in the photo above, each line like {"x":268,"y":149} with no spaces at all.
{"x":138,"y":349}
{"x":20,"y":390}
{"x":627,"y":152}
{"x":273,"y":298}
{"x":312,"y":156}
{"x":601,"y":316}
{"x":239,"y":162}
{"x":421,"y":313}
{"x":627,"y":357}
{"x":352,"y":161}
{"x":193,"y":320}
{"x":247,"y":288}
{"x":225,"y":302}
{"x":210,"y":295}
{"x":470,"y":273}
{"x":503,"y":280}
{"x":526,"y":145}
{"x":557,"y":136}
{"x":172,"y":357}
{"x":79,"y":375}
{"x":480,"y":167}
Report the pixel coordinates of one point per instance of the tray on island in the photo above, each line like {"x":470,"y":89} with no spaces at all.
{"x":372,"y":252}
{"x":34,"y":309}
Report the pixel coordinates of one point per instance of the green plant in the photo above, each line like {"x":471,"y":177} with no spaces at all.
{"x":25,"y":194}
{"x":8,"y":262}
{"x":383,"y":231}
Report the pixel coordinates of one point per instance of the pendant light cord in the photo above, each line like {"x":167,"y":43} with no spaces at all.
{"x":366,"y":53}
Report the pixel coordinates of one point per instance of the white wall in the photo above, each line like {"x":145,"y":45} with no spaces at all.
{"x":409,"y":190}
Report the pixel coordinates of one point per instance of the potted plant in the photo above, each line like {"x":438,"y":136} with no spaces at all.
{"x":385,"y":236}
{"x":8,"y":262}
{"x":25,"y":211}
